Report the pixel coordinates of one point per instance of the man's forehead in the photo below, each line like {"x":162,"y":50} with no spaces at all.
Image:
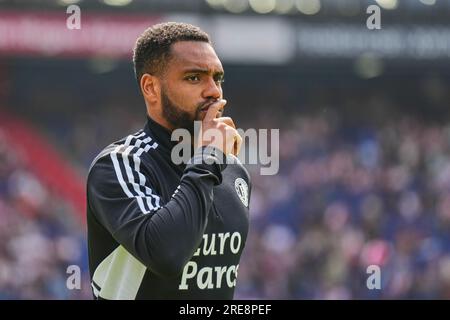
{"x":195,"y":54}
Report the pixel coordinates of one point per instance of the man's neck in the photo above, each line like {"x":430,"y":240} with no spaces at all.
{"x":159,"y":119}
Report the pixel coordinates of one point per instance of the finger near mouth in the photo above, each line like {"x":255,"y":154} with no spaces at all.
{"x":205,"y":109}
{"x":206,"y":106}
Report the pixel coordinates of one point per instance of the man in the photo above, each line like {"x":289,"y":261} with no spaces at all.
{"x":157,"y":229}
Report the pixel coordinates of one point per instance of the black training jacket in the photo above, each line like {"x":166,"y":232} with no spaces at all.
{"x":160,"y":230}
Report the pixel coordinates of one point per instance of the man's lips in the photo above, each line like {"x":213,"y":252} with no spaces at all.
{"x":205,"y":108}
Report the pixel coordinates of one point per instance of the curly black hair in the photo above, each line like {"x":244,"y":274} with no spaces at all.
{"x":152,"y":50}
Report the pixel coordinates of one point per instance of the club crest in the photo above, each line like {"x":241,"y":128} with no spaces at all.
{"x":242,"y":190}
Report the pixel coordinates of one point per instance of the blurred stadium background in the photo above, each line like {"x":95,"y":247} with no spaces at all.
{"x":364,"y":138}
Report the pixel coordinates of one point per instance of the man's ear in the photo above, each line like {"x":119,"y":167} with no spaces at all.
{"x":150,"y":87}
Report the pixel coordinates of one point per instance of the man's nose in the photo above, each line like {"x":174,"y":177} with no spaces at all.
{"x":213,"y":90}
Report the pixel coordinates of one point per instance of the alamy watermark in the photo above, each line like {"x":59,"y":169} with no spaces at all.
{"x":73,"y":22}
{"x":374,"y":279}
{"x":373,"y":22}
{"x":73,"y":281}
{"x":255,"y":149}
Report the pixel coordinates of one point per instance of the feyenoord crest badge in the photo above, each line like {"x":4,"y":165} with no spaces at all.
{"x":242,"y":190}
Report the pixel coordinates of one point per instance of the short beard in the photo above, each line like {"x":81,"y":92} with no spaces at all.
{"x":176,"y":116}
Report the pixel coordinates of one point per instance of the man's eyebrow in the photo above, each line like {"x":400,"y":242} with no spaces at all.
{"x":204,"y":71}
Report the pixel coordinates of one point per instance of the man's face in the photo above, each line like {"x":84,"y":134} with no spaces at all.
{"x":192,"y":81}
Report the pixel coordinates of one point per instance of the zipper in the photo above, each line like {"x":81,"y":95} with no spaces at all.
{"x":217,"y":216}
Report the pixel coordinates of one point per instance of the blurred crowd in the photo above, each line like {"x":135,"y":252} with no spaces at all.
{"x":345,"y":199}
{"x":40,"y":236}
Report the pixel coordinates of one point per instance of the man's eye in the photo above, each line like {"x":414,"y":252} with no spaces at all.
{"x":193,"y":78}
{"x":220,"y":80}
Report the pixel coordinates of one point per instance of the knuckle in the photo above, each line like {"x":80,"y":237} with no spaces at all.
{"x":222,"y":126}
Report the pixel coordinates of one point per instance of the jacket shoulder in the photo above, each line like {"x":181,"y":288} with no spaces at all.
{"x":132,"y":145}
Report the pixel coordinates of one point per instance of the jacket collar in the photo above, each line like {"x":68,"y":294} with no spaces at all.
{"x":159,"y":133}
{"x":163,"y":136}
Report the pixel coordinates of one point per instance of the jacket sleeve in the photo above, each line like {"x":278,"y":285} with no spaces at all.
{"x":162,"y":236}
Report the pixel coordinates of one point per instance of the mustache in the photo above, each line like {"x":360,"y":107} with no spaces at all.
{"x":206,"y":104}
